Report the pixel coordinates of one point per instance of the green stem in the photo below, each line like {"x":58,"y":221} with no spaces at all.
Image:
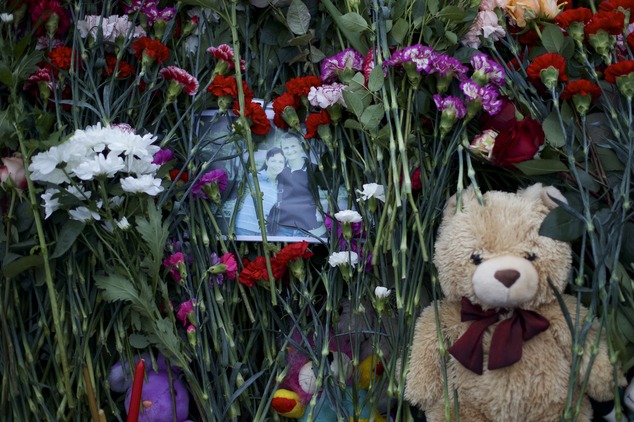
{"x":48,"y":274}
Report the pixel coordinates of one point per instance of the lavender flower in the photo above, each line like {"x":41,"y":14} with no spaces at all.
{"x":163,"y":156}
{"x":347,"y":59}
{"x":423,"y":57}
{"x":486,"y":70}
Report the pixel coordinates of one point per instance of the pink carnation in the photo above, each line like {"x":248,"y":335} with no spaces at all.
{"x":185,"y":309}
{"x":180,"y":76}
{"x":232,"y":267}
{"x":172,"y":263}
{"x":225,"y":53}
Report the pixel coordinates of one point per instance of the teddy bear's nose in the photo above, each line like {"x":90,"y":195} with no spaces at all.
{"x":507,"y":277}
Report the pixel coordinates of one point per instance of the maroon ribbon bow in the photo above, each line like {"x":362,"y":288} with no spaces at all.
{"x":508,"y":336}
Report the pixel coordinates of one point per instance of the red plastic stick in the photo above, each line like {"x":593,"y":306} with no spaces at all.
{"x":137,"y":388}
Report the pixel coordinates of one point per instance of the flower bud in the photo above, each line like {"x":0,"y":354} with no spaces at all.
{"x":335,"y":113}
{"x":549,"y":77}
{"x":290,"y":117}
{"x":413,"y":76}
{"x":221,"y":68}
{"x":159,"y":28}
{"x":325,"y":134}
{"x":625,"y":84}
{"x":582,"y":103}
{"x":52,"y":23}
{"x":191,"y":336}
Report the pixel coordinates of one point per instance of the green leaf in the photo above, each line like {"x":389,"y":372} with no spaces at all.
{"x":116,"y":288}
{"x":561,"y":225}
{"x":5,"y":75}
{"x":376,"y":79}
{"x":22,"y":264}
{"x":353,"y":101}
{"x":399,"y":30}
{"x":298,"y":17}
{"x":316,"y":55}
{"x":301,"y":40}
{"x":372,"y":116}
{"x":354,"y":22}
{"x":352,"y":124}
{"x":552,"y":129}
{"x":451,"y":37}
{"x":537,"y":167}
{"x":609,"y":160}
{"x":432,"y":6}
{"x":552,"y":38}
{"x":154,"y":232}
{"x":138,"y":341}
{"x":627,"y":247}
{"x":452,"y":13}
{"x":67,"y":236}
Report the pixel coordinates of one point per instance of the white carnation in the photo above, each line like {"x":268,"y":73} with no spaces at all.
{"x":326,"y":95}
{"x":348,"y":216}
{"x":382,"y":292}
{"x":372,"y":190}
{"x":343,"y":258}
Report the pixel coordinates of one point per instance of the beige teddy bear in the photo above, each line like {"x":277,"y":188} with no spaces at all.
{"x":509,"y":346}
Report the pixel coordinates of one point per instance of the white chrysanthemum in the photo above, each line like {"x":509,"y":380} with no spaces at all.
{"x":145,"y":183}
{"x":372,"y":190}
{"x":84,"y":215}
{"x":137,"y":166}
{"x":79,"y":192}
{"x":50,"y":204}
{"x":46,"y":164}
{"x":99,"y":166}
{"x":116,"y":201}
{"x":132,"y":144}
{"x":348,"y":216}
{"x":6,"y":17}
{"x":382,"y":292}
{"x":326,"y":95}
{"x":343,"y":258}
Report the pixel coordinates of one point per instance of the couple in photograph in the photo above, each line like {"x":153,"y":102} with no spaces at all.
{"x":288,"y":203}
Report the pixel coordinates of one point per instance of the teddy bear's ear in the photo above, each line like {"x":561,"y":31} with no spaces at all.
{"x":546,"y":194}
{"x":467,"y":195}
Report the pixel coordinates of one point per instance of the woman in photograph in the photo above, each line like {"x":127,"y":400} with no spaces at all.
{"x":247,"y":222}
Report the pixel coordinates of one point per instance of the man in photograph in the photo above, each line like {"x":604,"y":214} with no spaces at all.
{"x":298,"y":212}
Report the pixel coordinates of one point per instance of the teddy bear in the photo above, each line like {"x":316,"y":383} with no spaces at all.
{"x":508,"y":340}
{"x":156,"y":398}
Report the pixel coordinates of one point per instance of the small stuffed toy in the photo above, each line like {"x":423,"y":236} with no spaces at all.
{"x":156,"y":399}
{"x":509,"y":345}
{"x":299,"y":386}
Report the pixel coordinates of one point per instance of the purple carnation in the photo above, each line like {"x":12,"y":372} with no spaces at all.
{"x":486,"y":70}
{"x":217,"y":176}
{"x":162,"y":156}
{"x":215,"y":278}
{"x":486,"y":95}
{"x":423,"y":57}
{"x":153,"y":14}
{"x":348,"y":58}
{"x":447,"y":66}
{"x":451,"y":106}
{"x":139,"y":5}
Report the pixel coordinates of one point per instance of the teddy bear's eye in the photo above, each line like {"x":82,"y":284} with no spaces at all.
{"x":530,"y":256}
{"x":476,"y":258}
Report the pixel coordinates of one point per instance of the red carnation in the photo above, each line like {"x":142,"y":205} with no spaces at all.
{"x":545,"y":61}
{"x":123,"y":71}
{"x":618,"y":69}
{"x":260,"y":123}
{"x":150,"y":48}
{"x":615,"y":5}
{"x":60,"y":58}
{"x":567,"y":17}
{"x":50,"y":15}
{"x":610,"y":22}
{"x":255,"y":271}
{"x":293,"y":252}
{"x":226,"y":85}
{"x":580,"y":87}
{"x":630,"y":41}
{"x":184,"y":177}
{"x":313,"y":121}
{"x":417,"y":183}
{"x":302,"y":85}
{"x":280,"y":103}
